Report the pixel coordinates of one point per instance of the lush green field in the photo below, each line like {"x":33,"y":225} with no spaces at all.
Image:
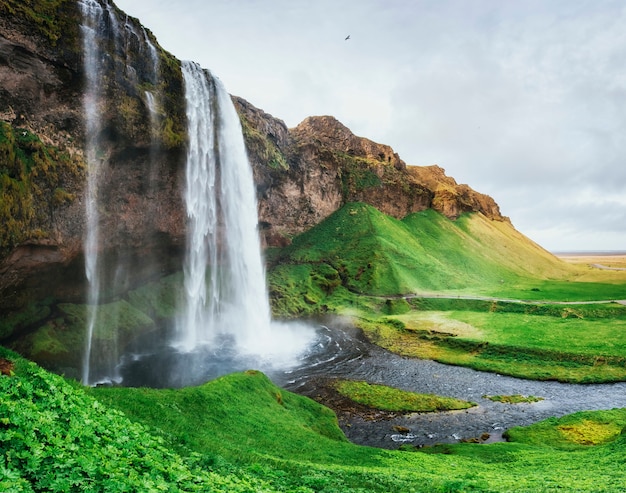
{"x":240,"y":433}
{"x":570,"y":343}
{"x":367,"y":252}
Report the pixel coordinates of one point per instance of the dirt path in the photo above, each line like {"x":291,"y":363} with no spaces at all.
{"x":606,"y":267}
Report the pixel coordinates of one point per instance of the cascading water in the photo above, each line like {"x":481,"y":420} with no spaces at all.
{"x":225,"y":320}
{"x":92,"y":24}
{"x":222,"y":232}
{"x":101,"y":31}
{"x":226,"y":302}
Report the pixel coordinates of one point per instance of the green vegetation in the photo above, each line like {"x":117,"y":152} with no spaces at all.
{"x":375,"y":254}
{"x":574,"y":432}
{"x":60,"y":340}
{"x":433,"y":288}
{"x":240,"y":433}
{"x":51,"y":18}
{"x":570,"y":343}
{"x":395,"y":400}
{"x":33,"y":177}
{"x":261,"y":146}
{"x":513,"y":399}
{"x":54,"y":437}
{"x":359,"y":174}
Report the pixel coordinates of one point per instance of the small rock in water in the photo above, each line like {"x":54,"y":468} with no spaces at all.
{"x":401,"y":429}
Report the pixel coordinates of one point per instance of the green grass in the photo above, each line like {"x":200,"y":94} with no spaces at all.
{"x":395,"y":400}
{"x":361,"y":262}
{"x":265,"y":434}
{"x":573,"y":432}
{"x":540,"y":347}
{"x":240,"y":433}
{"x":374,"y":254}
{"x":513,"y":399}
{"x":54,"y":437}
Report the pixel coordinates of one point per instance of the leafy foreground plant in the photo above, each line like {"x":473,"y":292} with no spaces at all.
{"x":396,"y":400}
{"x":54,"y":437}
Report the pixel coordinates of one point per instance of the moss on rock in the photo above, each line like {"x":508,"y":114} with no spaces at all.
{"x":33,"y":176}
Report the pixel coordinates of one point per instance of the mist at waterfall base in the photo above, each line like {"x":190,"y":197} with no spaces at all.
{"x":157,"y":362}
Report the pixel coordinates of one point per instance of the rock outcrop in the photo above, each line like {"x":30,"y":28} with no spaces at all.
{"x":42,"y":159}
{"x":306,"y":173}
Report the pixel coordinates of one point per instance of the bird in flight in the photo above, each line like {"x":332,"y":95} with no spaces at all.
{"x":347,"y":38}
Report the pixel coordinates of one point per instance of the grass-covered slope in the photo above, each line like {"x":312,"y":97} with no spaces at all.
{"x":366,"y":252}
{"x":54,"y":437}
{"x":240,"y":433}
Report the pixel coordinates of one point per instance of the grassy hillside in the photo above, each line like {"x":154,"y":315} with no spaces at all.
{"x":240,"y":433}
{"x":373,"y":254}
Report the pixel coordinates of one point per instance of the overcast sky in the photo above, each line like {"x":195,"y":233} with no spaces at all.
{"x":524,"y":100}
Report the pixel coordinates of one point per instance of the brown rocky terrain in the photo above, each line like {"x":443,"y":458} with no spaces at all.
{"x":302,"y":174}
{"x":307,"y":172}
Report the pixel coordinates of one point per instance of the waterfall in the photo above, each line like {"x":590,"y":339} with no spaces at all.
{"x":92,"y":25}
{"x":224,"y":278}
{"x":103,"y":35}
{"x":224,"y":316}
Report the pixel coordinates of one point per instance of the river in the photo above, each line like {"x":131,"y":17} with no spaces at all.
{"x":358,"y":359}
{"x":342,"y":351}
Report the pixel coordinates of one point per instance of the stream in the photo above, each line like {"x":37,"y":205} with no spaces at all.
{"x":361,"y":360}
{"x":341,"y":351}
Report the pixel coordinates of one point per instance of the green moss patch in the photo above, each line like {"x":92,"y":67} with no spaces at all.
{"x":589,"y":432}
{"x":159,"y":299}
{"x":51,"y":18}
{"x":583,"y":429}
{"x":513,"y":399}
{"x":33,"y":178}
{"x":59,"y":343}
{"x":395,"y":400}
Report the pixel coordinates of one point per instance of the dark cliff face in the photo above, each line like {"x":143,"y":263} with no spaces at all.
{"x":42,"y":149}
{"x":302,"y":174}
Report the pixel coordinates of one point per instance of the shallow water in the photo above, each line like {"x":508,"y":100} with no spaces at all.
{"x":341,"y":351}
{"x":377,"y":365}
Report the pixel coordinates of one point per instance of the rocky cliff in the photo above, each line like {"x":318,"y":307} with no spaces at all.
{"x":302,"y":174}
{"x":307,"y":172}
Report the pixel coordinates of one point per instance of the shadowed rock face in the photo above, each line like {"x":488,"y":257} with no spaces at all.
{"x":302,"y":174}
{"x":42,"y":157}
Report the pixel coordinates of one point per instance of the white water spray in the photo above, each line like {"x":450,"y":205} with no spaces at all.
{"x":225,"y":292}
